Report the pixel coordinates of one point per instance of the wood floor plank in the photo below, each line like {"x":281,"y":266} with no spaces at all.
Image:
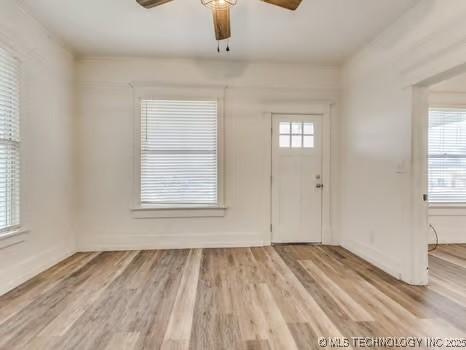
{"x":214,"y":304}
{"x":279,"y":335}
{"x":84,"y":296}
{"x":453,"y":259}
{"x":110,"y":313}
{"x":19,"y":330}
{"x":205,"y":309}
{"x":257,"y":345}
{"x":456,"y":250}
{"x":150,"y":310}
{"x":179,"y":326}
{"x":291,"y":256}
{"x":43,"y":343}
{"x":432,"y":303}
{"x":14,"y":301}
{"x":123,"y":341}
{"x":244,"y":276}
{"x":447,"y":290}
{"x":304,"y":336}
{"x":344,"y":300}
{"x":296,"y":304}
{"x":360,"y":273}
{"x":270,"y":298}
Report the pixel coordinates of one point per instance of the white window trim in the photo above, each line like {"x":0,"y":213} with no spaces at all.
{"x":434,"y":207}
{"x":153,"y":91}
{"x":7,"y":235}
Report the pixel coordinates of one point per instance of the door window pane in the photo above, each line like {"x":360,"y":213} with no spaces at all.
{"x":297,"y":128}
{"x":284,"y":141}
{"x":308,"y":141}
{"x":297,"y":141}
{"x":308,"y":129}
{"x":284,"y":128}
{"x":296,"y":135}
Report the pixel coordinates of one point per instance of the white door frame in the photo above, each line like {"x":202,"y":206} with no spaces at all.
{"x":323,"y":110}
{"x":436,"y":68}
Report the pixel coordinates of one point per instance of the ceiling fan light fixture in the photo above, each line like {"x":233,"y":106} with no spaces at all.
{"x":218,"y":4}
{"x":221,"y":13}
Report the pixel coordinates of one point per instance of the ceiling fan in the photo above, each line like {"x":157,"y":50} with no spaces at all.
{"x":221,"y":12}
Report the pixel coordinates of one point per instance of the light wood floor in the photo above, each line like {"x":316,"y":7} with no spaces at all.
{"x":280,"y":297}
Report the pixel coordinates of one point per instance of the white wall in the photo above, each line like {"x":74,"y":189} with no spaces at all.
{"x":372,"y":144}
{"x":378,"y":142}
{"x":450,"y":223}
{"x":105,"y":119}
{"x":47,"y":161}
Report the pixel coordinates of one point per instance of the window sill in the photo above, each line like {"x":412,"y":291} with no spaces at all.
{"x":178,"y":212}
{"x":447,"y":205}
{"x":447,"y":209}
{"x":11,"y":238}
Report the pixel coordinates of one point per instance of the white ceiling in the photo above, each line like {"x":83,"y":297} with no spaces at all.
{"x":320,"y":31}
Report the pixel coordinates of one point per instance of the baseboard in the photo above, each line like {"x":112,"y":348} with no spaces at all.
{"x":448,"y":238}
{"x":170,"y":241}
{"x":375,"y":257}
{"x":19,"y":273}
{"x":448,"y":241}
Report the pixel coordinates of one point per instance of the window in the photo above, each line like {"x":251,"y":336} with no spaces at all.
{"x":9,"y":142}
{"x":296,"y":135}
{"x":179,"y":165}
{"x":447,"y":156}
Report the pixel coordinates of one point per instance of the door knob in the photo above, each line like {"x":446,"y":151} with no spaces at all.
{"x":319,"y":186}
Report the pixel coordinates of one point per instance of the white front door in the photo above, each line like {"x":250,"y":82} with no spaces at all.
{"x":297,"y":179}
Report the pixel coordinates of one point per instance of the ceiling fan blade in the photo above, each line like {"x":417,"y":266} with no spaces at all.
{"x":287,"y":4}
{"x":222,"y":23}
{"x":151,"y":3}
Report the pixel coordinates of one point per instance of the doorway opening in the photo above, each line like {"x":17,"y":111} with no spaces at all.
{"x":446,"y":179}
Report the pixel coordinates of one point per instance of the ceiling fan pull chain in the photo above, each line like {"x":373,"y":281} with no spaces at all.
{"x":228,"y":46}
{"x":218,"y":46}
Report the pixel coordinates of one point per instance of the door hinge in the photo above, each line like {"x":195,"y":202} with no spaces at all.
{"x":270,"y":227}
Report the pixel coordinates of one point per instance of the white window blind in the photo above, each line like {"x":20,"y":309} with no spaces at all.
{"x":9,"y":142}
{"x":447,"y":156}
{"x":178,"y":152}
